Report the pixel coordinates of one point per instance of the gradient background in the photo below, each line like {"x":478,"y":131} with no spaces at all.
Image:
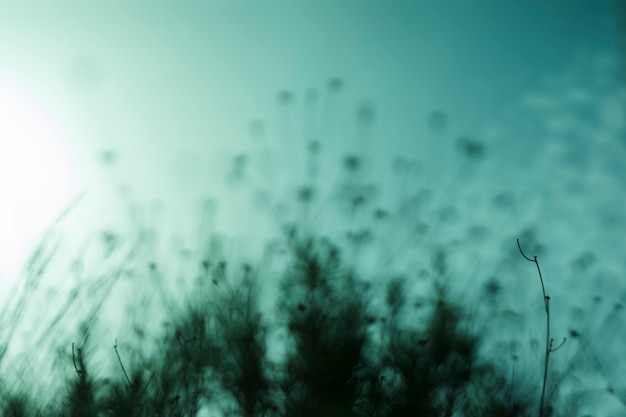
{"x":143,"y":107}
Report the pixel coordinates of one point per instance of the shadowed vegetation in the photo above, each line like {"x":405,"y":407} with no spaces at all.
{"x":344,"y":333}
{"x":339,"y":355}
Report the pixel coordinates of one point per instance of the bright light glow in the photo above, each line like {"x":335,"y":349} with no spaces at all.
{"x":37,"y":176}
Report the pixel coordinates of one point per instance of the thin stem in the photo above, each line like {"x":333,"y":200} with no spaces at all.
{"x":121,"y":364}
{"x":546,"y":301}
{"x":80,"y":372}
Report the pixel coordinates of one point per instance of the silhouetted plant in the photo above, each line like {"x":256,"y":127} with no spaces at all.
{"x":326,"y":330}
{"x":549,"y":341}
{"x":82,"y":398}
{"x":243,"y":367}
{"x":351,"y":347}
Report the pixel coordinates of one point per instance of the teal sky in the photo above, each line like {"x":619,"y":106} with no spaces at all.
{"x":166,"y":94}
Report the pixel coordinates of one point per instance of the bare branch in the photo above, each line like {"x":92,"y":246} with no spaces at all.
{"x":549,"y":341}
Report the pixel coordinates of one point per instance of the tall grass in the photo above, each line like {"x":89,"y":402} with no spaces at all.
{"x":350,"y":333}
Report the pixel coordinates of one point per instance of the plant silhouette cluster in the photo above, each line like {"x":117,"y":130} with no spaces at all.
{"x":334,"y":344}
{"x":339,"y":356}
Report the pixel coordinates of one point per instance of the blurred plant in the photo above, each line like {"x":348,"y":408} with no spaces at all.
{"x":359,"y":338}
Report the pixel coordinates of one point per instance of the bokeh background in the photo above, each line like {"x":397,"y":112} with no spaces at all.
{"x":494,"y":120}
